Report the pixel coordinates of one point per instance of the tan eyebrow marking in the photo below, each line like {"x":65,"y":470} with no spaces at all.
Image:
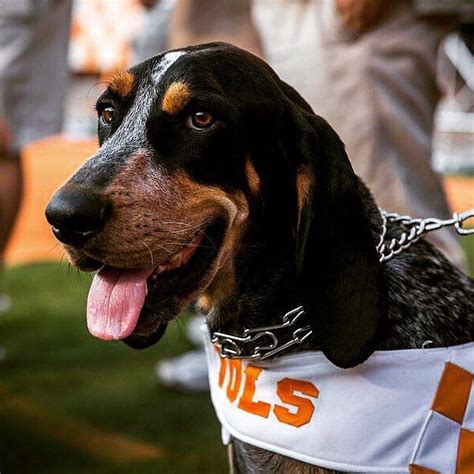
{"x":304,"y":182}
{"x":122,"y":83}
{"x":252,"y":178}
{"x":175,"y":98}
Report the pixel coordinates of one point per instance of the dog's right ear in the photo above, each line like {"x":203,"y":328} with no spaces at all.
{"x":339,"y":272}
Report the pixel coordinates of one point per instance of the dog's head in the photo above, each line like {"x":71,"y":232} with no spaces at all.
{"x":200,"y":149}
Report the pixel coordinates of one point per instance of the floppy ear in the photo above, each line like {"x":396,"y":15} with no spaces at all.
{"x":339,"y":273}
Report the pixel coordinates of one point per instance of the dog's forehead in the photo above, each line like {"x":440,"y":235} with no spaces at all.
{"x":201,"y":66}
{"x":160,"y":68}
{"x":151,"y":75}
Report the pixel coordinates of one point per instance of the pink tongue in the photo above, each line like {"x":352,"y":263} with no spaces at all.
{"x":115,"y":300}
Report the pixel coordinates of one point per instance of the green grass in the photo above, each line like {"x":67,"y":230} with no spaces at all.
{"x":55,"y":364}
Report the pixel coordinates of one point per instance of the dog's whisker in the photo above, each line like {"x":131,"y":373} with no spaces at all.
{"x":180,"y":324}
{"x":63,"y":255}
{"x":177,"y":222}
{"x":95,"y":85}
{"x":170,"y":252}
{"x":151,"y":254}
{"x":187,"y":244}
{"x":54,"y":247}
{"x":68,"y":270}
{"x":172,"y":231}
{"x":208,"y":238}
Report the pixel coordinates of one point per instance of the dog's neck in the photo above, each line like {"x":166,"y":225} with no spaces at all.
{"x":267,"y":289}
{"x":267,"y":286}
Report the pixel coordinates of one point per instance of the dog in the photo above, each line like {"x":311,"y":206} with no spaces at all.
{"x":215,"y":181}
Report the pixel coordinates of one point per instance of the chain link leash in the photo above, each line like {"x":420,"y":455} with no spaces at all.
{"x":415,"y":228}
{"x":272,"y":340}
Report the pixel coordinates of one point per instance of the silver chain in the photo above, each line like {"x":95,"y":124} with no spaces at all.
{"x":235,"y":347}
{"x":415,"y":228}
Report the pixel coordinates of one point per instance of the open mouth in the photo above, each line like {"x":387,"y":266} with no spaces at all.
{"x":136,"y":305}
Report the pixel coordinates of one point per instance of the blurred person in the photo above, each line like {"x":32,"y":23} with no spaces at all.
{"x":381,"y":63}
{"x":205,"y":21}
{"x":153,"y":36}
{"x":33,"y":77}
{"x":171,"y":24}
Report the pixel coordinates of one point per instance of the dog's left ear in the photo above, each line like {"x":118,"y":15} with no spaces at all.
{"x":339,"y":272}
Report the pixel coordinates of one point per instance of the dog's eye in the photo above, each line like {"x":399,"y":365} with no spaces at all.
{"x":200,"y":120}
{"x":107,"y":115}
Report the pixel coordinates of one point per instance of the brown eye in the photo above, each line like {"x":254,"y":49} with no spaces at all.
{"x":107,"y":115}
{"x":200,"y":120}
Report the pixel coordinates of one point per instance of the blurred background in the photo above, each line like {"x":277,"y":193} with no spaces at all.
{"x":397,"y":83}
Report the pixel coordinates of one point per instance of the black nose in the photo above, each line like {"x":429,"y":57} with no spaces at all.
{"x":76,"y":215}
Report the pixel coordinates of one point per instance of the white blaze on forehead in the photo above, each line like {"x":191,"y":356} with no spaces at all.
{"x":164,"y":65}
{"x":132,"y":130}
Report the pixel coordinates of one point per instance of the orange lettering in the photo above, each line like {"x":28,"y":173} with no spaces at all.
{"x":305,"y":408}
{"x":223,"y":367}
{"x":235,"y":380}
{"x":246,"y":400}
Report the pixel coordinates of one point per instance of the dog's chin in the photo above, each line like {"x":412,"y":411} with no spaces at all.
{"x":142,"y":339}
{"x":170,"y":288}
{"x":82,"y":262}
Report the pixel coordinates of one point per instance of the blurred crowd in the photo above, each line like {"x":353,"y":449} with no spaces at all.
{"x":368,"y":66}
